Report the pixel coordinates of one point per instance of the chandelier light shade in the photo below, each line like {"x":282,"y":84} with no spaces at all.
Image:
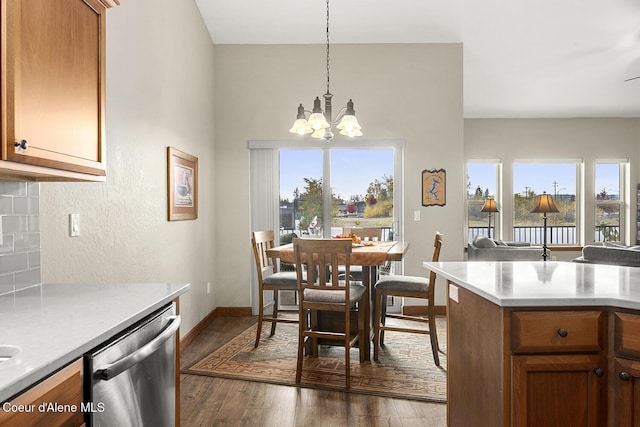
{"x":544,"y":205}
{"x":319,"y":122}
{"x":300,"y":125}
{"x":349,"y":124}
{"x":490,"y":207}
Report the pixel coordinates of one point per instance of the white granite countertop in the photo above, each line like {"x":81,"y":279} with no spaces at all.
{"x":56,"y":324}
{"x":549,"y":284}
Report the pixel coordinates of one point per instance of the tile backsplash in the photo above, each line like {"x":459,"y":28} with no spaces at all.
{"x":20,"y":245}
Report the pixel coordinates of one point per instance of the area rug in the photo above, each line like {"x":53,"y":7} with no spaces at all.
{"x":405,"y":368}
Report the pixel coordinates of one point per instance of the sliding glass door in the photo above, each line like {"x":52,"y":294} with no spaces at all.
{"x":320,"y":189}
{"x":322,"y":192}
{"x":332,"y":191}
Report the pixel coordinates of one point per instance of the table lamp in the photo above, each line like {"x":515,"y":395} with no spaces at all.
{"x":489,"y":206}
{"x":544,"y":204}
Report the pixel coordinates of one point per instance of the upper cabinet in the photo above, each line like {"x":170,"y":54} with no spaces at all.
{"x":53,"y":89}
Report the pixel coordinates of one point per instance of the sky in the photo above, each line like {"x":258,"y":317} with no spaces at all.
{"x":554,"y":178}
{"x":351,"y":170}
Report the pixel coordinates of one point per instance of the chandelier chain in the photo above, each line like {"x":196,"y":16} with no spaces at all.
{"x":319,"y":122}
{"x":328,"y":70}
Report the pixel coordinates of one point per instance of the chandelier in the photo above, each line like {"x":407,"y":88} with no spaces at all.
{"x":319,"y":123}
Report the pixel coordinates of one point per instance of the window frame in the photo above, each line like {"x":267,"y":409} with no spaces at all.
{"x":496,"y":218}
{"x":579,"y":183}
{"x":623,"y":201}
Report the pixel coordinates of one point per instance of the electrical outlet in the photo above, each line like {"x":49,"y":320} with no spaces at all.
{"x":416,"y":215}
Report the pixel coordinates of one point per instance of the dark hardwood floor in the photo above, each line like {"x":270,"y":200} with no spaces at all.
{"x":209,"y":401}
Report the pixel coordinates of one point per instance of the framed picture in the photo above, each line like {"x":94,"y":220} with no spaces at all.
{"x":434,"y":187}
{"x":182,"y":185}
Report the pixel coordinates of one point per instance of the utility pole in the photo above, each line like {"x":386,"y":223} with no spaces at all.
{"x":555,"y":189}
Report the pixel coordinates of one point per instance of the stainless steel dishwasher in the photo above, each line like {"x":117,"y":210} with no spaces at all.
{"x":130,"y":381}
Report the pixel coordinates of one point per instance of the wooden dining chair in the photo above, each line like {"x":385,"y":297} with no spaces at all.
{"x":322,"y":291}
{"x":270,"y":279}
{"x":407,"y":286}
{"x":362,"y":232}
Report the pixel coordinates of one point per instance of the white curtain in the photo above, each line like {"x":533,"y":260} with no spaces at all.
{"x":264,"y":207}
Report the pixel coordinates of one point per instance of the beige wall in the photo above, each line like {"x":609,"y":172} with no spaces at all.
{"x":159,"y":93}
{"x":409,"y":92}
{"x":586,"y":139}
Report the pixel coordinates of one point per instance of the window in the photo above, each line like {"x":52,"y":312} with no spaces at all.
{"x":301,"y":192}
{"x":482,"y":179}
{"x":361,"y":182}
{"x":361,"y":195}
{"x":593,"y":202}
{"x":608,"y":202}
{"x":558,"y":179}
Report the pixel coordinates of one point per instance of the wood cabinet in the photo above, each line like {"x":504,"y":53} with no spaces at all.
{"x":53,"y":89}
{"x":557,"y":368}
{"x":558,"y":390}
{"x":625,"y":372}
{"x":525,"y":367}
{"x":625,"y":393}
{"x":56,"y":401}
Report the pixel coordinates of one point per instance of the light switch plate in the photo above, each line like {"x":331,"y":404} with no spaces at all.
{"x":453,"y":292}
{"x":74,"y":225}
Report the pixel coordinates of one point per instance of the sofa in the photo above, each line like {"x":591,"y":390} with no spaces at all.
{"x":485,"y":249}
{"x":611,"y":253}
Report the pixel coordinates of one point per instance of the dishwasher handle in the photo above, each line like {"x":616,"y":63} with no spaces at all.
{"x":113,"y":369}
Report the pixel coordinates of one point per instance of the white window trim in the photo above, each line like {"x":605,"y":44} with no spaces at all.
{"x":580,"y":192}
{"x":624,"y":198}
{"x":498,"y":224}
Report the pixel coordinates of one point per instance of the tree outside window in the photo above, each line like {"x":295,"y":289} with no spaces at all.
{"x":607,"y":202}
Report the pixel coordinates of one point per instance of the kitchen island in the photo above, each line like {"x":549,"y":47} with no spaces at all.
{"x":53,"y":325}
{"x":542,"y":343}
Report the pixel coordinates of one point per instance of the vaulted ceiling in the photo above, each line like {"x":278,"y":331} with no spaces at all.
{"x":545,"y":58}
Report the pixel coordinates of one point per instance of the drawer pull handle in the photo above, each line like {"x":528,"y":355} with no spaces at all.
{"x":599,"y":372}
{"x":624,"y":376}
{"x":563,"y":332}
{"x":22,"y":144}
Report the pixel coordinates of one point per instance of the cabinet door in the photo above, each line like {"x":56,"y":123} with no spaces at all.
{"x":625,"y":383}
{"x":56,"y":401}
{"x":53,"y":83}
{"x":558,"y":390}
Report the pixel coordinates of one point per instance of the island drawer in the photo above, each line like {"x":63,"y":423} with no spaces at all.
{"x":556,"y":331}
{"x":626,"y":334}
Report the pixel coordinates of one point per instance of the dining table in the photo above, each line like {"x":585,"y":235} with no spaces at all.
{"x":369,"y":257}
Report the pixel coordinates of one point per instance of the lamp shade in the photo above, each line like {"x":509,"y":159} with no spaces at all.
{"x":489,"y":205}
{"x":544,"y":204}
